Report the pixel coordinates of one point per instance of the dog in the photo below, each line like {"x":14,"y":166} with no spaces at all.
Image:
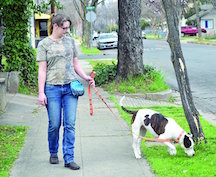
{"x":162,"y":128}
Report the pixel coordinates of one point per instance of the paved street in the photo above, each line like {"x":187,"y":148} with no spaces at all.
{"x":200,"y":63}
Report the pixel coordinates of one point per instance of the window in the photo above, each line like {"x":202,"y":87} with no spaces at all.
{"x":208,"y":24}
{"x":43,"y":28}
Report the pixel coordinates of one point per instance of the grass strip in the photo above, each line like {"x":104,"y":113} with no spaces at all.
{"x":91,"y":51}
{"x":11,"y":141}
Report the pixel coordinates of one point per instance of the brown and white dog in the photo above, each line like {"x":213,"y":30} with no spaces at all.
{"x":160,"y":127}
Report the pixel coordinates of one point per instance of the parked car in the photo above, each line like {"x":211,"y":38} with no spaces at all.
{"x":107,"y":40}
{"x":143,"y":35}
{"x":191,"y":30}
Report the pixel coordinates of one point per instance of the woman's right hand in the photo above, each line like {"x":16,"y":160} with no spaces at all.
{"x":42,"y":99}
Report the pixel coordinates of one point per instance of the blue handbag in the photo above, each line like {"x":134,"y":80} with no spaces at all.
{"x":77,"y":88}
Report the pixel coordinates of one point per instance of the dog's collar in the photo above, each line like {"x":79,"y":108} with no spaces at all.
{"x":177,"y":139}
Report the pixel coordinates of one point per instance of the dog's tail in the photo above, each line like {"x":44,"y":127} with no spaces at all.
{"x":124,"y":109}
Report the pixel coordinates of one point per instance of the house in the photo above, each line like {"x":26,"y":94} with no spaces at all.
{"x":38,"y":28}
{"x":41,"y":26}
{"x":207,"y":19}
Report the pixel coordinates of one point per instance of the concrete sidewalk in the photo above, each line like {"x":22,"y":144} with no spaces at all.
{"x":103,"y":142}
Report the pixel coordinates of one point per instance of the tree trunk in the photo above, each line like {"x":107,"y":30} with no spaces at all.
{"x":198,"y":19}
{"x":130,"y":45}
{"x":172,"y":9}
{"x":86,"y":37}
{"x":1,"y":41}
{"x":53,"y":11}
{"x":81,"y":9}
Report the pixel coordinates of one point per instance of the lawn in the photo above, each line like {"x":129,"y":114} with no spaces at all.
{"x":90,"y":51}
{"x":163,"y":165}
{"x":93,"y":63}
{"x":11,"y":141}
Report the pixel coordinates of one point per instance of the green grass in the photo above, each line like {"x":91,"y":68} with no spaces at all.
{"x":153,"y":82}
{"x":163,"y":165}
{"x":93,"y":63}
{"x":28,"y":91}
{"x":88,"y":51}
{"x":11,"y":141}
{"x":211,"y":40}
{"x":139,"y":84}
{"x":210,"y":37}
{"x":153,"y":36}
{"x":187,"y":37}
{"x":4,"y":62}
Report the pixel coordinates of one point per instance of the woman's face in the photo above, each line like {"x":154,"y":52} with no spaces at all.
{"x":62,"y":30}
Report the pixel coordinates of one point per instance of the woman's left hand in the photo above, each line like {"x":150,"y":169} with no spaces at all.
{"x":91,"y":81}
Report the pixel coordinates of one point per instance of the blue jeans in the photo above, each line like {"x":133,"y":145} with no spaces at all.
{"x":60,"y":98}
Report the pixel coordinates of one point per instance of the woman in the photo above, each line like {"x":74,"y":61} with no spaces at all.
{"x":58,"y":67}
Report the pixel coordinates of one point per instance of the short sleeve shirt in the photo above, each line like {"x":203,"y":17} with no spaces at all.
{"x":59,"y":56}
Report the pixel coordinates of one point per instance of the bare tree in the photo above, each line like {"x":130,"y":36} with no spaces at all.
{"x":107,"y":15}
{"x":69,"y":9}
{"x":173,"y":9}
{"x":81,"y":8}
{"x":197,"y":19}
{"x":130,"y":46}
{"x":153,"y":9}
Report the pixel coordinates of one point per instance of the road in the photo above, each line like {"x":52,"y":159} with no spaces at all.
{"x":200,"y":62}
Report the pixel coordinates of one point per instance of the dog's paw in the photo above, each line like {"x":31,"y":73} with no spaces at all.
{"x":138,"y":156}
{"x":172,"y":152}
{"x":139,"y":152}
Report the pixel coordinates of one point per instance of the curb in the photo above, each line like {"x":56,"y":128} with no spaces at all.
{"x":157,"y":96}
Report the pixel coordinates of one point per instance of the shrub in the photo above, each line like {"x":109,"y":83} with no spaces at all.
{"x":20,"y":56}
{"x":104,"y":73}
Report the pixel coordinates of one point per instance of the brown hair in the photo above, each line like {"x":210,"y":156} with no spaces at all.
{"x":58,"y":19}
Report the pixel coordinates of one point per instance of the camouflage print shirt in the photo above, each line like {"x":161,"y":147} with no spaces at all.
{"x":59,"y":56}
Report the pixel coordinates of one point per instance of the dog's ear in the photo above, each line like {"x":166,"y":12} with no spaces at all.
{"x":147,"y":116}
{"x":147,"y":121}
{"x":187,"y":141}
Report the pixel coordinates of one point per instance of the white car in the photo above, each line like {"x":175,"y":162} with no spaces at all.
{"x":107,"y":40}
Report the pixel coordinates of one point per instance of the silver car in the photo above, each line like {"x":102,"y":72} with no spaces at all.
{"x":107,"y":40}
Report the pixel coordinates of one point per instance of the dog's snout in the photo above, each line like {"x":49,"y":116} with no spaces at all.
{"x":191,"y":155}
